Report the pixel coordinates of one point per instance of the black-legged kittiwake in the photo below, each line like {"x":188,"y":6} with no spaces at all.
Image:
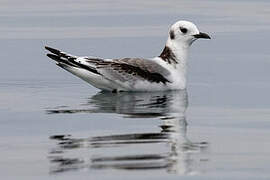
{"x":164,"y":72}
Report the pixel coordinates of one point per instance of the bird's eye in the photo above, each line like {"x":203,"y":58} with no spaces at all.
{"x":183,"y":30}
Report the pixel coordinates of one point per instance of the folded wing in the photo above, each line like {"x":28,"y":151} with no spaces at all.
{"x":131,"y":70}
{"x":111,"y":73}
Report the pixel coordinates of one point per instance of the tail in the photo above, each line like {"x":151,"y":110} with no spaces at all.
{"x":61,"y":57}
{"x":83,"y":71}
{"x":65,"y":60}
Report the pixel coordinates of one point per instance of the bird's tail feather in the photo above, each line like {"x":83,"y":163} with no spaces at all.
{"x":63,"y":59}
{"x":60,"y":53}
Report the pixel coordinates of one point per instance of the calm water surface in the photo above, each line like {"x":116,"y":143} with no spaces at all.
{"x":53,"y":125}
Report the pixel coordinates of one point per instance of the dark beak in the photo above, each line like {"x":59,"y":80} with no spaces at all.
{"x":202,"y":35}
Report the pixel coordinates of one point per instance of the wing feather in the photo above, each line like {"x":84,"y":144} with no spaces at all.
{"x":131,"y":70}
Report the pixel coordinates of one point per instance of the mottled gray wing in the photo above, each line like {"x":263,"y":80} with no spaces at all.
{"x":132,"y":69}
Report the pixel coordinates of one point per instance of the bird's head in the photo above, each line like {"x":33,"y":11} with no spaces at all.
{"x":185,"y":33}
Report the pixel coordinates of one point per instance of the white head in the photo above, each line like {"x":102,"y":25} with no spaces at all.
{"x":181,"y":35}
{"x":185,"y":33}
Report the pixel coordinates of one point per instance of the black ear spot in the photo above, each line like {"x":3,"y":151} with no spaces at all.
{"x":172,"y":36}
{"x":183,"y":30}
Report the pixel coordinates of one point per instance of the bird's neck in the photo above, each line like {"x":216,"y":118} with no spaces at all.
{"x":175,"y":53}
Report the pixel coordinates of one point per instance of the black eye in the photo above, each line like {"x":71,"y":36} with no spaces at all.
{"x":183,"y":30}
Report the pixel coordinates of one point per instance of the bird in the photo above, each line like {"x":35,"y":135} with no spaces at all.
{"x":164,"y":72}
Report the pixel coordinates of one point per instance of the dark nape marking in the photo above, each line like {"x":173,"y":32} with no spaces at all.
{"x":168,"y":56}
{"x":172,"y":35}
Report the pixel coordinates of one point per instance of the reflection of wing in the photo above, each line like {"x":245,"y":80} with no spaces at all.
{"x":139,"y":104}
{"x":131,"y":69}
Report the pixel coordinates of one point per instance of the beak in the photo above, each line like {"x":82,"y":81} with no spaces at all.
{"x":202,"y":35}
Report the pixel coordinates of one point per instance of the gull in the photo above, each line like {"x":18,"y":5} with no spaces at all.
{"x":164,"y":72}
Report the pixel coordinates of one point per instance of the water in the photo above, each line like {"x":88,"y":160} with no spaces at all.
{"x":53,"y":125}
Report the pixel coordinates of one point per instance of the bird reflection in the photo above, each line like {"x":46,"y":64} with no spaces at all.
{"x":168,"y":149}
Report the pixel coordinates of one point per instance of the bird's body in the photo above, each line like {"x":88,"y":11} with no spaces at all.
{"x":165,"y":72}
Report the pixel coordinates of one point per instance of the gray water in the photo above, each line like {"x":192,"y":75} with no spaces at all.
{"x":53,"y":125}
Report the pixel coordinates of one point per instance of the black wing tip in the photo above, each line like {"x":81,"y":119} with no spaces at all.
{"x":52,"y":50}
{"x":62,"y":65}
{"x":47,"y":47}
{"x":54,"y":57}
